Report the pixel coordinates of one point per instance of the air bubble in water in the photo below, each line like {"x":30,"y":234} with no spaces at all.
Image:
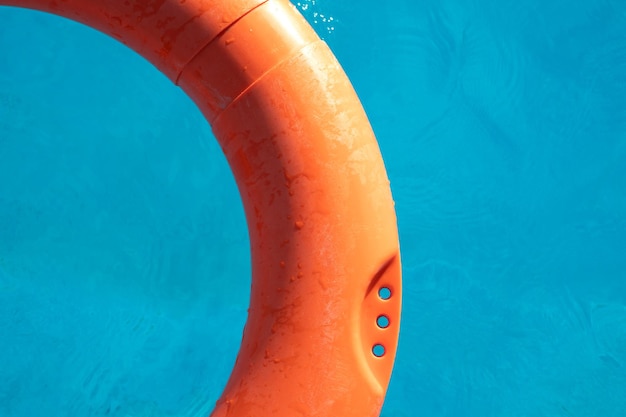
{"x":322,"y":22}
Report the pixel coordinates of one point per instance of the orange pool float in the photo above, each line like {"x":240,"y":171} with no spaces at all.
{"x":324,"y":314}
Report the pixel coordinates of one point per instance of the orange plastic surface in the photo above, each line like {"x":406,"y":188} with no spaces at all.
{"x":326,"y":279}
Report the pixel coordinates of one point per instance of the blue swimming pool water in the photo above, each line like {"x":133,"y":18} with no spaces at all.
{"x":124,"y":265}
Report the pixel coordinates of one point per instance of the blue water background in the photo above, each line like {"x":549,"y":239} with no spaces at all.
{"x":124,"y":267}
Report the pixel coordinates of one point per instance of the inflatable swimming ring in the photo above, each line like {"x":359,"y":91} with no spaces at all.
{"x":324,"y":314}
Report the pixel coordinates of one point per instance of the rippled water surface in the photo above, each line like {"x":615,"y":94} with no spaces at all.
{"x":124,"y":267}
